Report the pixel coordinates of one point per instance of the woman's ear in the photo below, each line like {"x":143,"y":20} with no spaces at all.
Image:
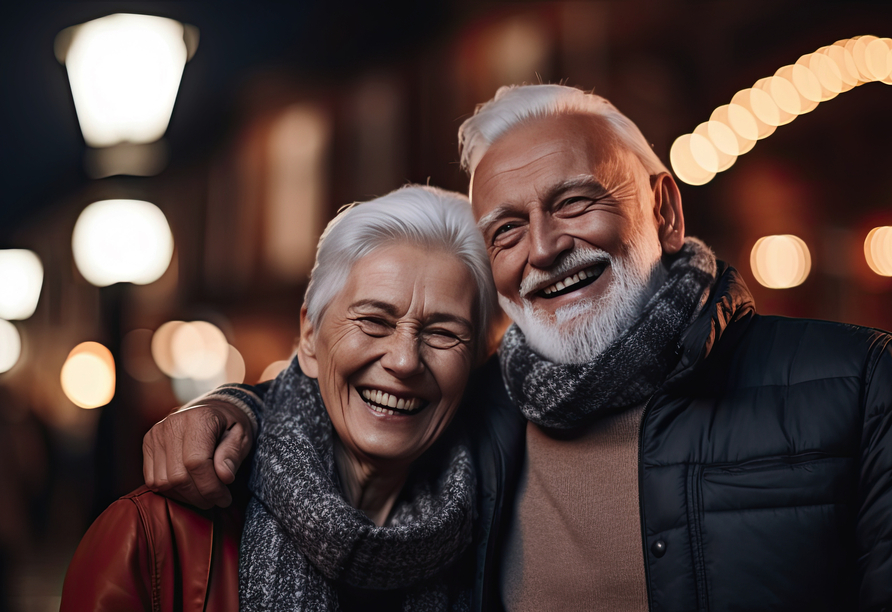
{"x":306,"y":347}
{"x":668,"y":213}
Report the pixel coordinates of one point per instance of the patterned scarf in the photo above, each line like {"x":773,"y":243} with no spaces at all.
{"x":302,"y":540}
{"x":564,"y":396}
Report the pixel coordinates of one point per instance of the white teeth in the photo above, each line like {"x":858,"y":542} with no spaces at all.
{"x":569,"y":281}
{"x":383,"y":399}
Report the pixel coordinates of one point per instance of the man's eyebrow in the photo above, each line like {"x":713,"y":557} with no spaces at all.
{"x":583,"y":181}
{"x":502,"y":210}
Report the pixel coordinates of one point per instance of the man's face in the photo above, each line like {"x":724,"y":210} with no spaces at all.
{"x":568,"y":219}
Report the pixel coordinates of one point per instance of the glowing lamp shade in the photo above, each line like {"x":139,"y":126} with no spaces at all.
{"x":124,"y":72}
{"x":10,"y":346}
{"x":780,"y":262}
{"x":21,"y":276}
{"x":88,"y":375}
{"x":878,"y":250}
{"x":122,"y":241}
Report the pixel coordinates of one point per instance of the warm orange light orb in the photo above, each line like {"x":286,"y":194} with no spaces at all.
{"x":780,"y":262}
{"x":88,"y":375}
{"x":878,"y":250}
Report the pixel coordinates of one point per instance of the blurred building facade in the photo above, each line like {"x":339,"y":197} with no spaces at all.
{"x":248,"y":190}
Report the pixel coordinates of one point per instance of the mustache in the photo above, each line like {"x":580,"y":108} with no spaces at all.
{"x":566,"y":263}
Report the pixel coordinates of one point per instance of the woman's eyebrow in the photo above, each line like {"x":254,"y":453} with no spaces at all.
{"x":443,"y":317}
{"x":385,"y":307}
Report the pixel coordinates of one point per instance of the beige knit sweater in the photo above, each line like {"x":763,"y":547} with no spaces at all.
{"x":575,"y":540}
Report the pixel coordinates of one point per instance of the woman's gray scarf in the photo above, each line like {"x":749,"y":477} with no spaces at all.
{"x":302,"y":539}
{"x":626,"y":373}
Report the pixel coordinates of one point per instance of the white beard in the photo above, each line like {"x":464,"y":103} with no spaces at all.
{"x":579,"y":332}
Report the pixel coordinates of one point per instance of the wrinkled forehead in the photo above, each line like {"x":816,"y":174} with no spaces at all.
{"x":555,"y":148}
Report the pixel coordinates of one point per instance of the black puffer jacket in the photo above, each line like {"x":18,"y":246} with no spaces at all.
{"x":765,"y":466}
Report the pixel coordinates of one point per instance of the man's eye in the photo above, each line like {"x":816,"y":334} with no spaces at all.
{"x":502,"y":229}
{"x":440,"y":338}
{"x":574,"y":205}
{"x":506,"y":234}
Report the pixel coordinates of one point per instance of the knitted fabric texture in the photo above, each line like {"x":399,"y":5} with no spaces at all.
{"x":564,"y":396}
{"x":301,"y":537}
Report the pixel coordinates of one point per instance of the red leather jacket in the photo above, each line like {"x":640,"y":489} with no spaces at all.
{"x":146,"y":552}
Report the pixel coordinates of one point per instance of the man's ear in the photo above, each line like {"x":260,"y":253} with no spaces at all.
{"x":306,"y":347}
{"x":668,"y":213}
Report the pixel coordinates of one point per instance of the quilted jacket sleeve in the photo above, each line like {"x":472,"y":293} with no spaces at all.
{"x":874,"y":528}
{"x":111,"y":568}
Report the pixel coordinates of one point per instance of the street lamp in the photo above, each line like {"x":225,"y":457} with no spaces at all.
{"x":124,"y":72}
{"x":122,"y":241}
{"x":21,"y":276}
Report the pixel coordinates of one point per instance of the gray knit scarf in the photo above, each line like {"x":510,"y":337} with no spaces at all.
{"x":564,"y":396}
{"x":302,"y":539}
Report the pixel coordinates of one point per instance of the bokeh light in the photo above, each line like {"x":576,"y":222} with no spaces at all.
{"x":780,"y":262}
{"x":686,"y":165}
{"x":88,"y":375}
{"x":192,"y":350}
{"x":878,"y":250}
{"x":186,"y":389}
{"x":796,"y":89}
{"x":723,"y":141}
{"x":827,"y":73}
{"x":10,"y":346}
{"x":21,"y":276}
{"x":763,"y":106}
{"x":122,"y":241}
{"x":742,"y":124}
{"x":274,"y":369}
{"x":199,"y":350}
{"x":124,"y":72}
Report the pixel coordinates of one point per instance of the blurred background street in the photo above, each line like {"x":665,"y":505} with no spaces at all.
{"x":143,"y":263}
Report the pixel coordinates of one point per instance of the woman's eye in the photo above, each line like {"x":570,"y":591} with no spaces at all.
{"x":440,"y":338}
{"x":373,"y":326}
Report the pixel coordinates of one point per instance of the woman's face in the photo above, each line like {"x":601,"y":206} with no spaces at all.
{"x":393,"y":351}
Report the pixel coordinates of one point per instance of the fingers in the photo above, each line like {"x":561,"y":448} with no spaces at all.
{"x":178,"y":457}
{"x":231,"y":452}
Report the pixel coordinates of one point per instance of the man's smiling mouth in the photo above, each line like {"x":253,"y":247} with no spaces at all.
{"x":574,"y":282}
{"x":387,"y":403}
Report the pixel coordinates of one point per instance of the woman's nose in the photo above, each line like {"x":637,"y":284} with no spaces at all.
{"x":403,"y":357}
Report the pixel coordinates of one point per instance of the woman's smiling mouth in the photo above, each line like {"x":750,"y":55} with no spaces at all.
{"x":387,"y":403}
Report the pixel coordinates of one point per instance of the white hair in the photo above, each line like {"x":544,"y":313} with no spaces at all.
{"x":516,"y":104}
{"x":414,"y":214}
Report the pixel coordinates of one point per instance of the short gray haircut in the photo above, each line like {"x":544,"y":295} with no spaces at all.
{"x":516,"y":104}
{"x":415,"y":214}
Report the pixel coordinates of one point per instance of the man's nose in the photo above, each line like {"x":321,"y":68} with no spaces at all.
{"x":402,"y":357}
{"x":547,"y":240}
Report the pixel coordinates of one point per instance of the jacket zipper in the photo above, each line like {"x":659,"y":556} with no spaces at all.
{"x":644,"y":414}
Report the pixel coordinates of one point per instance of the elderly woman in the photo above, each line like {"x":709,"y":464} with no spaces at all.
{"x":361,"y":499}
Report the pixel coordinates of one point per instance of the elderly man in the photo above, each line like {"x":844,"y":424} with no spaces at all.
{"x":676,"y":450}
